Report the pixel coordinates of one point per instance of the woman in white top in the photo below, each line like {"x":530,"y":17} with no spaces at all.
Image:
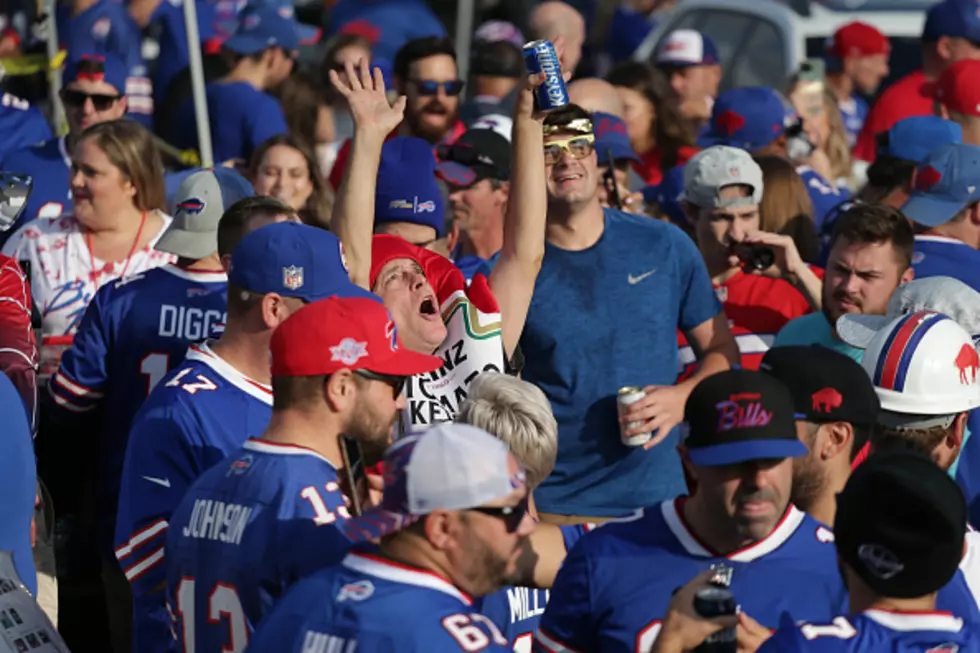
{"x":117,"y":217}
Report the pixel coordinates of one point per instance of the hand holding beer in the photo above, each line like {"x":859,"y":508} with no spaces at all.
{"x":653,"y":410}
{"x":525,"y":107}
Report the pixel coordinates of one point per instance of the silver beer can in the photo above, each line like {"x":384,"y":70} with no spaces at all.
{"x":626,"y":396}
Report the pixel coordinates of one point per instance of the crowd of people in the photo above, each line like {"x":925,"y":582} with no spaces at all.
{"x":424,"y":366}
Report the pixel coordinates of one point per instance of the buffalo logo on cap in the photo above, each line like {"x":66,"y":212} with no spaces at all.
{"x":606,"y":125}
{"x":192,"y":205}
{"x":292,"y":277}
{"x":349,"y":351}
{"x":826,"y":400}
{"x":927,"y":178}
{"x":729,"y":122}
{"x":427,"y":206}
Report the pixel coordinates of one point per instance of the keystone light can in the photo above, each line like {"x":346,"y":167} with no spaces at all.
{"x":540,"y":57}
{"x":630,"y":395}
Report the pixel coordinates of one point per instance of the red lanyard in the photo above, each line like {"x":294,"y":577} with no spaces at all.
{"x":91,"y":257}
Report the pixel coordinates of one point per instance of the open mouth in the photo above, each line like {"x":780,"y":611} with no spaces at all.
{"x":567,"y":177}
{"x":428,"y":308}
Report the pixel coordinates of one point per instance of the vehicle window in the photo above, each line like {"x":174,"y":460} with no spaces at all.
{"x":906,"y":55}
{"x":762,"y":58}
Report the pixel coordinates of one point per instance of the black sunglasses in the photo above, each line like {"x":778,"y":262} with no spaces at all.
{"x":511,"y":515}
{"x":431,"y":87}
{"x":397,"y":383}
{"x":100,"y":101}
{"x":467,"y":155}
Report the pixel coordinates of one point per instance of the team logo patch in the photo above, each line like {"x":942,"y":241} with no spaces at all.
{"x":101,"y":27}
{"x":424,"y":207}
{"x":400,"y":204}
{"x":357,"y":591}
{"x":948,"y":647}
{"x":191,"y":205}
{"x":742,"y":411}
{"x":729,"y":122}
{"x":240,"y":466}
{"x":349,"y":351}
{"x":880,"y":561}
{"x":967,"y":361}
{"x":826,"y":400}
{"x":292,"y":277}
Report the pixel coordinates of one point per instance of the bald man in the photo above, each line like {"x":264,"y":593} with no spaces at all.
{"x":594,"y":94}
{"x":552,"y":19}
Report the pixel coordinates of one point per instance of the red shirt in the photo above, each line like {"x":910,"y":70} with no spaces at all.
{"x":336,"y":175}
{"x":18,"y":347}
{"x":905,"y":98}
{"x":649,"y":165}
{"x":757,"y":307}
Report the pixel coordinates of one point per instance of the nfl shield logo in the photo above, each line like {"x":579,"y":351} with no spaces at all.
{"x":292,"y":277}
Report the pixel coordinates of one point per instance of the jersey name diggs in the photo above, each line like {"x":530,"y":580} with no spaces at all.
{"x":216,"y":520}
{"x":189,"y":323}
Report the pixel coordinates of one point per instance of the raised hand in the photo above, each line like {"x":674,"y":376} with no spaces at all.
{"x":524,"y":108}
{"x":368,"y":100}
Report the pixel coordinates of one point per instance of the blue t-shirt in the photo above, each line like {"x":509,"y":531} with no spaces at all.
{"x":853,"y":113}
{"x":823,"y":194}
{"x":47,"y":164}
{"x":389,"y":24}
{"x":814,"y":329}
{"x":600,"y":319}
{"x":18,"y":483}
{"x":21,"y":124}
{"x":938,"y":256}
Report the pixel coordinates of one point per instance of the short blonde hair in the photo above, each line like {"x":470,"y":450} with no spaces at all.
{"x":518,"y":413}
{"x":130,"y":147}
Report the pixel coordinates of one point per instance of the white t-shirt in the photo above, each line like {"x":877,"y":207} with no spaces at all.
{"x":63,"y":279}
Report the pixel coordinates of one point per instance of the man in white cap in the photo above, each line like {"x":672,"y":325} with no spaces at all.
{"x":722,"y":191}
{"x":690,"y":61}
{"x":453,"y":524}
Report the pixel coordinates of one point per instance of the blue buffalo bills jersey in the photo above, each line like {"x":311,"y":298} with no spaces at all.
{"x":853,"y":112}
{"x":879,"y":630}
{"x":614,"y":587}
{"x":939,"y":256}
{"x":823,"y":194}
{"x":48,"y":164}
{"x":106,"y":26}
{"x":133,"y":332}
{"x":250,"y":527}
{"x":517,"y":611}
{"x":196,"y":416}
{"x":370,"y":604}
{"x":21,"y":124}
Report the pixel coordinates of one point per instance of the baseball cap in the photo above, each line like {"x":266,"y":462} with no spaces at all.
{"x":952,"y":18}
{"x":477,"y":154}
{"x":913,"y":138}
{"x":957,"y":87}
{"x":407,"y":189}
{"x":857,"y":39}
{"x":826,"y":386}
{"x":447,"y":467}
{"x":668,"y":195}
{"x":200,"y":201}
{"x":498,"y":122}
{"x":293,"y":260}
{"x":612,"y":136}
{"x":944,"y":295}
{"x":712,"y":169}
{"x":499,"y":30}
{"x":687,"y":47}
{"x":97,"y":67}
{"x":740,"y":415}
{"x":308,"y":34}
{"x":261,"y":28}
{"x":337,"y":333}
{"x":944,"y":184}
{"x":749,"y":118}
{"x":900,"y":524}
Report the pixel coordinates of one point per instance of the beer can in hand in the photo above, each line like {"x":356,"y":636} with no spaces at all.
{"x":540,"y":57}
{"x":630,"y":395}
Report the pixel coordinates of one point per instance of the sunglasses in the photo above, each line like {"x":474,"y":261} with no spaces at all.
{"x":430,"y":87}
{"x":467,"y":155}
{"x":397,"y":383}
{"x":577,"y":147}
{"x":510,"y":515}
{"x":100,"y":101}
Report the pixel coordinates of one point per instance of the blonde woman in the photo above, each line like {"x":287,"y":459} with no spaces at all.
{"x":834,"y":144}
{"x":786,"y":207}
{"x":116,"y":183}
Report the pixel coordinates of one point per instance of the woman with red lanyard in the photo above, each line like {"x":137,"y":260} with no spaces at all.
{"x":117,"y":217}
{"x":658,"y":132}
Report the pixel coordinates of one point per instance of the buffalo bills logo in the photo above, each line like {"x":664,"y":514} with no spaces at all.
{"x":729,"y":122}
{"x":362,"y":28}
{"x":926,"y":178}
{"x":425,"y":207}
{"x":356,"y":591}
{"x":742,"y":411}
{"x":826,"y":400}
{"x":607,"y":126}
{"x":192,"y":206}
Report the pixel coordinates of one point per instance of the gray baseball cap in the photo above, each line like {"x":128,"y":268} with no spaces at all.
{"x":718,"y":166}
{"x":197,"y":207}
{"x":944,"y":295}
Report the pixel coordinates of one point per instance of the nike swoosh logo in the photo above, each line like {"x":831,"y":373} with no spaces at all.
{"x":165,"y":482}
{"x":635,"y":280}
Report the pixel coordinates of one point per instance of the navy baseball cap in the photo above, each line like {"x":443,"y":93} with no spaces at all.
{"x":293,"y":260}
{"x":308,"y":34}
{"x":262,"y":28}
{"x":102,"y":67}
{"x":407,"y":189}
{"x":740,"y":415}
{"x":958,"y":18}
{"x":748,"y":118}
{"x":611,"y":135}
{"x":912,"y":139}
{"x":944,"y":184}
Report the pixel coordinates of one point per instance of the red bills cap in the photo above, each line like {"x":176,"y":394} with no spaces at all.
{"x":957,"y":87}
{"x":857,"y":40}
{"x":338,"y":333}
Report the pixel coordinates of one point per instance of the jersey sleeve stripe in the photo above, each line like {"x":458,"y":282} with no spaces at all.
{"x":67,"y":405}
{"x":144,"y":565}
{"x":74,"y":387}
{"x":141,"y":536}
{"x":552,"y":645}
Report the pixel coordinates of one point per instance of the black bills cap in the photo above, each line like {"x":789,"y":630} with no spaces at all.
{"x":740,"y":415}
{"x":900,"y":524}
{"x":827,"y":386}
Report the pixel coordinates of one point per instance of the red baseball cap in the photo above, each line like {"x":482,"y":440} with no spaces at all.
{"x":857,"y":40}
{"x":338,"y":333}
{"x":957,"y":87}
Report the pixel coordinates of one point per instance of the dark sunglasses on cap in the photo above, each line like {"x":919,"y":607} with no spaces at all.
{"x":510,"y":515}
{"x":100,"y":101}
{"x":431,"y":87}
{"x":397,"y":383}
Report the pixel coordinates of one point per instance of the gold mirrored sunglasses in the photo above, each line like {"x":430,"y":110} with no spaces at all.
{"x":578,"y":147}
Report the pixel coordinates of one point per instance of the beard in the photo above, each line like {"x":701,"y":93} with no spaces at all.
{"x":371,"y":431}
{"x":487,"y":571}
{"x":427,"y":131}
{"x":808,"y":482}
